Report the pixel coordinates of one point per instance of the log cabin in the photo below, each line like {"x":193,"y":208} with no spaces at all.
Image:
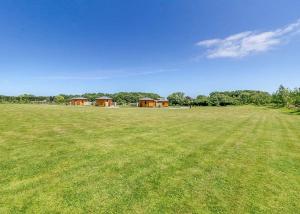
{"x":78,"y":101}
{"x":162,"y":102}
{"x":104,"y":101}
{"x":147,"y":102}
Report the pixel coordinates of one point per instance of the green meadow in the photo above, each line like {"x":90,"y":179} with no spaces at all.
{"x":63,"y":159}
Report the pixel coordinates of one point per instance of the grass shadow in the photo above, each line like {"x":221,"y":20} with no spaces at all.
{"x":285,"y":110}
{"x":295,"y":112}
{"x":273,"y":107}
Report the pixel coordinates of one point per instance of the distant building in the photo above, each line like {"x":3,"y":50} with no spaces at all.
{"x":104,"y":101}
{"x":79,"y":101}
{"x":162,"y":102}
{"x":147,"y":102}
{"x":151,"y":103}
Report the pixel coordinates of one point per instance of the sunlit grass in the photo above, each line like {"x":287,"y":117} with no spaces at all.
{"x":60,"y":159}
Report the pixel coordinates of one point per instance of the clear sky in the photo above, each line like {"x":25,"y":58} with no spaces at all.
{"x":163,"y":46}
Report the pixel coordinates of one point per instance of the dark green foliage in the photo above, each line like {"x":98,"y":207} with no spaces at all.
{"x":177,"y":98}
{"x":26,"y":98}
{"x":201,"y":100}
{"x":296,"y":97}
{"x":297,"y":101}
{"x":260,"y":98}
{"x":131,"y":97}
{"x":221,"y":99}
{"x":282,"y":97}
{"x":188,"y":101}
{"x":244,"y":97}
{"x":239,"y":97}
{"x":285,"y":97}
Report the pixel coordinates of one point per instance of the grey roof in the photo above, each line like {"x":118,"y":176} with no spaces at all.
{"x":79,"y":98}
{"x":161,"y":99}
{"x":104,"y":98}
{"x":146,"y":98}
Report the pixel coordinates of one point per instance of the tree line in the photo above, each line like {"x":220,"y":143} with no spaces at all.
{"x":283,"y":97}
{"x":122,"y":98}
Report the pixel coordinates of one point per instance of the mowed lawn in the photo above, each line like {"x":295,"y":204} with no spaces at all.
{"x":62,"y":159}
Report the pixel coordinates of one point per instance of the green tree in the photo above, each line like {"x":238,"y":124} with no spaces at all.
{"x":244,"y":97}
{"x":261,"y":98}
{"x":296,"y":97}
{"x":188,"y":101}
{"x":25,"y":98}
{"x":59,"y":99}
{"x":220,"y":99}
{"x":282,"y":96}
{"x":201,"y":100}
{"x":177,"y":98}
{"x":297,"y":101}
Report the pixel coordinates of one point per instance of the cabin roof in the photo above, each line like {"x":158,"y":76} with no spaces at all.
{"x":79,"y":98}
{"x":162,"y":100}
{"x":104,"y":98}
{"x":146,"y":99}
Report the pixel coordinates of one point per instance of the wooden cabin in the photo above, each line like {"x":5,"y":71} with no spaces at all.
{"x":162,"y":103}
{"x":78,"y":101}
{"x":147,"y":102}
{"x":104,"y":101}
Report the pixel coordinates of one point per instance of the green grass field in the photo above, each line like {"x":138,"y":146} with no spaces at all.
{"x":59,"y":159}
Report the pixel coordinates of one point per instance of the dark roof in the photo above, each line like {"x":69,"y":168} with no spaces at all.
{"x":146,"y":98}
{"x":79,"y":98}
{"x":162,"y":100}
{"x":104,"y":98}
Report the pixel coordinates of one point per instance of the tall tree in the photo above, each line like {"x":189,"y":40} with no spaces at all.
{"x":282,"y":96}
{"x":201,"y":100}
{"x":176,"y":98}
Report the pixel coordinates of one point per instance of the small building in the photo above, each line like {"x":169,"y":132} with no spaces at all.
{"x":162,"y":102}
{"x":104,"y":101}
{"x":79,"y":101}
{"x":147,"y":102}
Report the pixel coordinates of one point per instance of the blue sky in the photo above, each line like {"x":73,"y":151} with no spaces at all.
{"x":78,"y":46}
